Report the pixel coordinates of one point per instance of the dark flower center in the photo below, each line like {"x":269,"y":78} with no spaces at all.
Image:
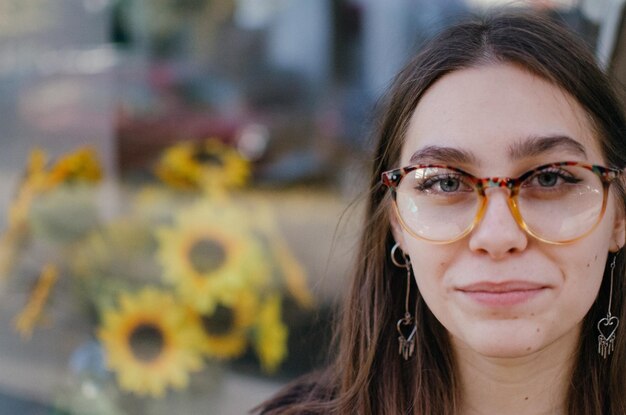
{"x":207,"y":256}
{"x":220,"y":322}
{"x":146,"y":342}
{"x":205,"y":157}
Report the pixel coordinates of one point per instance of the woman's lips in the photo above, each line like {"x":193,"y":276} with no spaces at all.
{"x":502,"y":294}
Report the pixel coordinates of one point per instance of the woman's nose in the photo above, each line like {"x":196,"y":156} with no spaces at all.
{"x":498,"y":233}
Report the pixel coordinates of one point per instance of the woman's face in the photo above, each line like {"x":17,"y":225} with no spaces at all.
{"x":488,"y":113}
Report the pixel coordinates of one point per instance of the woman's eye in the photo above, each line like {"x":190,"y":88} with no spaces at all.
{"x":547,"y":179}
{"x":449,"y":185}
{"x":442,"y":184}
{"x":551,"y":179}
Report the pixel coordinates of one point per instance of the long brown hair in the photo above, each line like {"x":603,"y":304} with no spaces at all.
{"x":368,"y":376}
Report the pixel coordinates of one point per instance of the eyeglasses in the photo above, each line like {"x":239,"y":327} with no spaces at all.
{"x":556,"y":203}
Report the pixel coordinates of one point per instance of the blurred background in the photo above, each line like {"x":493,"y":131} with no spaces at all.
{"x":181,"y":185}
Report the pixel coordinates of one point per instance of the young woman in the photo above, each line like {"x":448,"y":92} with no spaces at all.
{"x":489,"y":278}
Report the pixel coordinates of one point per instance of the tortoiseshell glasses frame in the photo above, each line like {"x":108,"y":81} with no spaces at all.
{"x":392,"y":179}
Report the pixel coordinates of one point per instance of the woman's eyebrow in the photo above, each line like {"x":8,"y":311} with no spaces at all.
{"x":538,"y":145}
{"x":530,"y":147}
{"x":446,"y":155}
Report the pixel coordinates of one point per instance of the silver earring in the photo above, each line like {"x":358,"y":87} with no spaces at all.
{"x":608,"y":325}
{"x":406,"y":325}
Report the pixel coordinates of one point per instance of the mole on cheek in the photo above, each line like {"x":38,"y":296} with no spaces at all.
{"x":528,"y":349}
{"x":538,"y":329}
{"x":588,"y":265}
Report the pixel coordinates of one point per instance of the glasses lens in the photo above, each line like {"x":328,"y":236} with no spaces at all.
{"x":437,"y":203}
{"x":561,"y":203}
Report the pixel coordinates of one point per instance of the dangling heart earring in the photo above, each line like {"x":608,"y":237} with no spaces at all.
{"x":406,"y":325}
{"x":608,"y":325}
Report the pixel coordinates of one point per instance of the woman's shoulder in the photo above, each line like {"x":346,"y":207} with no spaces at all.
{"x":306,"y":395}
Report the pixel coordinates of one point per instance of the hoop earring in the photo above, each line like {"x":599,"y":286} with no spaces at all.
{"x":406,"y":325}
{"x":608,"y":325}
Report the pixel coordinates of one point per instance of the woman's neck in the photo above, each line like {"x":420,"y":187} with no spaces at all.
{"x":533,"y":384}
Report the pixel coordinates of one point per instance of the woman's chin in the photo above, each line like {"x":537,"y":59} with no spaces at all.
{"x":503,"y":340}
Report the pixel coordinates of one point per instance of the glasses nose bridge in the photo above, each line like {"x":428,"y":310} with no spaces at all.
{"x":497,"y":182}
{"x":506,"y":183}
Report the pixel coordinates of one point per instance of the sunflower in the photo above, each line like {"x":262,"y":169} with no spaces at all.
{"x":39,"y":178}
{"x":151,"y":342}
{"x":81,"y":165}
{"x":271,"y":335}
{"x":207,"y":165}
{"x":210,"y":254}
{"x":226,"y":327}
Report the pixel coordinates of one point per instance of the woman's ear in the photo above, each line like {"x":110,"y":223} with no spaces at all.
{"x":619,"y":232}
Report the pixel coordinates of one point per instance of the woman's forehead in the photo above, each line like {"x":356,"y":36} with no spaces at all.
{"x":499,"y":112}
